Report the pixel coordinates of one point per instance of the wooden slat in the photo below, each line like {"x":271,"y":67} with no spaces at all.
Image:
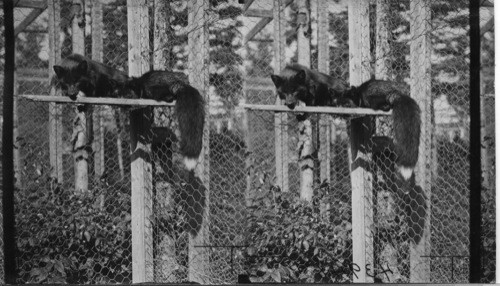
{"x":28,"y":4}
{"x":260,"y":25}
{"x":421,"y":90}
{"x":29,"y":19}
{"x":98,"y":55}
{"x":140,"y":145}
{"x":256,"y":29}
{"x":316,"y":109}
{"x":55,"y":111}
{"x":360,"y":128}
{"x":258,"y":13}
{"x":487,"y":3}
{"x":98,"y":101}
{"x":488,"y":26}
{"x":324,"y":122}
{"x":281,"y":149}
{"x":199,"y":269}
{"x":247,"y":4}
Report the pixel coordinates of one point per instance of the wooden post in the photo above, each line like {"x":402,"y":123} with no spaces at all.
{"x":280,"y":119}
{"x":97,"y":55}
{"x":382,"y":49}
{"x":17,"y":156}
{"x":385,"y":245}
{"x":420,"y":87}
{"x":55,"y":111}
{"x":140,"y":137}
{"x":476,"y":271}
{"x":8,"y":230}
{"x":361,"y":129}
{"x":165,"y":249}
{"x":79,"y":137}
{"x":325,"y":121}
{"x":306,"y":162}
{"x":198,"y":78}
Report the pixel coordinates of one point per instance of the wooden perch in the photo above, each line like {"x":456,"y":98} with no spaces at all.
{"x":316,"y":109}
{"x":98,"y":101}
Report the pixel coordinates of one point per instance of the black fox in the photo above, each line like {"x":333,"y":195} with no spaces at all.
{"x":386,"y":95}
{"x":189,"y":107}
{"x":299,"y":83}
{"x":77,"y":73}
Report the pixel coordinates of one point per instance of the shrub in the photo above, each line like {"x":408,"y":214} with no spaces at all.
{"x":297,"y":241}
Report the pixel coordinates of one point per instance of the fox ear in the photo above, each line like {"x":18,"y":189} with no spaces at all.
{"x":277,"y":80}
{"x":59,"y":70}
{"x":300,"y":77}
{"x":82,"y":67}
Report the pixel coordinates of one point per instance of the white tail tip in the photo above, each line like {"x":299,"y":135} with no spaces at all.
{"x":190,"y":163}
{"x":405,"y":172}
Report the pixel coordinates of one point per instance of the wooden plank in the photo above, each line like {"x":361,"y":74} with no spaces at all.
{"x":247,"y":4}
{"x":280,"y":120}
{"x":80,"y":125}
{"x":10,"y":230}
{"x":317,"y":109}
{"x":28,"y":4}
{"x":361,"y":178}
{"x":17,"y":147}
{"x":385,"y":202}
{"x":259,"y":13}
{"x":98,"y":55}
{"x":324,"y":153}
{"x":488,"y":26}
{"x":32,"y":16}
{"x":98,"y":101}
{"x":55,"y":112}
{"x":140,"y":137}
{"x":420,"y":89}
{"x":305,"y":144}
{"x":487,"y":3}
{"x":198,"y":264}
{"x":256,"y":29}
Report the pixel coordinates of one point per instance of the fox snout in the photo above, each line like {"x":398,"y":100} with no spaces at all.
{"x":291,"y":102}
{"x":72,"y":92}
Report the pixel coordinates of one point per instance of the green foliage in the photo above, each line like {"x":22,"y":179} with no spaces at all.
{"x":73,"y":237}
{"x":297,"y":241}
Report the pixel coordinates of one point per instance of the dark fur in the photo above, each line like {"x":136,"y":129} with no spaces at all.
{"x":410,"y":197}
{"x":387,"y":95}
{"x":299,"y":83}
{"x":189,"y":105}
{"x":78,"y":73}
{"x":157,"y":85}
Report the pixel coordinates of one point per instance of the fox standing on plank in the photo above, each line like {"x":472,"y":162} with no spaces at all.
{"x":386,"y":95}
{"x":189,"y":107}
{"x":78,"y":73}
{"x":299,"y":83}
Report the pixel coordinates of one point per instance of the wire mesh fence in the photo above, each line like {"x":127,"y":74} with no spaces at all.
{"x":244,"y":202}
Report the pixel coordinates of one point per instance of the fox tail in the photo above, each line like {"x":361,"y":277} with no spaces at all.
{"x":411,"y":198}
{"x":190,"y":110}
{"x":406,"y":120}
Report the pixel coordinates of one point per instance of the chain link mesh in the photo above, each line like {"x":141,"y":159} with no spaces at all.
{"x":253,"y":227}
